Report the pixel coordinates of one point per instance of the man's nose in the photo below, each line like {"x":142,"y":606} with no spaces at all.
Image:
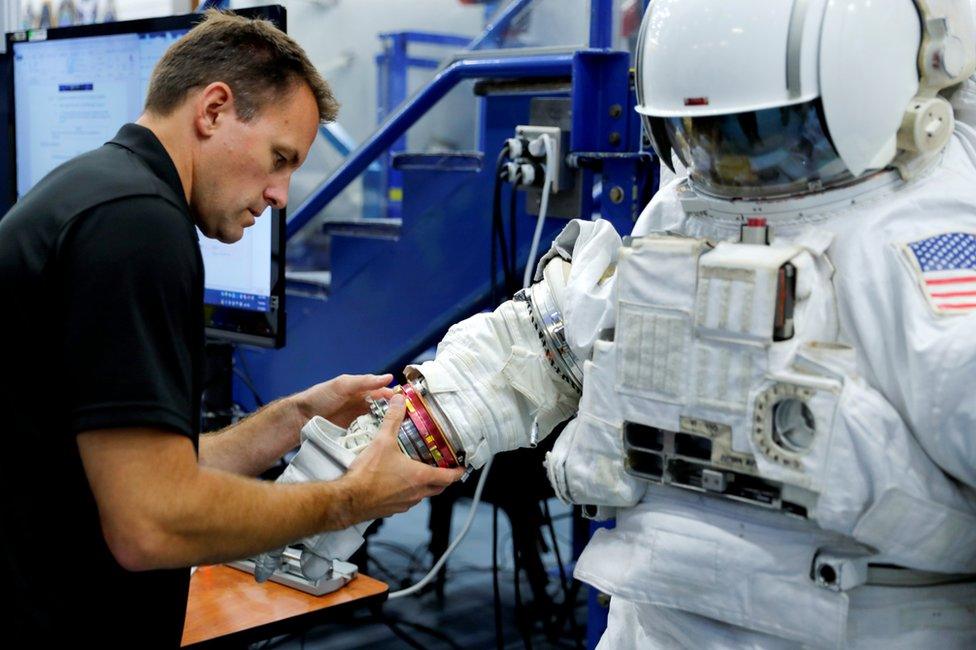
{"x":277,"y":195}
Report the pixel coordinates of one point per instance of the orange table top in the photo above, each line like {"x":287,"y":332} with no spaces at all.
{"x":224,"y":601}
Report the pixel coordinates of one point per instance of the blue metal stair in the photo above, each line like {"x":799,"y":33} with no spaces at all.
{"x":388,"y":299}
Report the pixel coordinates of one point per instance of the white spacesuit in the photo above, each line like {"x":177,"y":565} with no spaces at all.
{"x":777,"y":388}
{"x":824,"y":376}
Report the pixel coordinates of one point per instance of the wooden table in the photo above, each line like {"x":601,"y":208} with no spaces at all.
{"x":227,"y":607}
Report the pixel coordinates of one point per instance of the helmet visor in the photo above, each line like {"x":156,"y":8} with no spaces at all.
{"x":771,"y":152}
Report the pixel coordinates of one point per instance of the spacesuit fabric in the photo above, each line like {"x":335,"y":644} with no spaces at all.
{"x":894,"y":475}
{"x":885,"y":364}
{"x":491,"y":379}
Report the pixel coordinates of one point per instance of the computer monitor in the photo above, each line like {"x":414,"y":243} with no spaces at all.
{"x":72,"y":88}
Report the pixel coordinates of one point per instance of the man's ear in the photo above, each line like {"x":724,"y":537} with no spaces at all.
{"x":213,"y":106}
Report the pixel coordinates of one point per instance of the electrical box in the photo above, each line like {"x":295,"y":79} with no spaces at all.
{"x":536,"y":153}
{"x":564,"y":203}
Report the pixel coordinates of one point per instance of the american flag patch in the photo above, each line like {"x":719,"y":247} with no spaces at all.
{"x":946,"y":269}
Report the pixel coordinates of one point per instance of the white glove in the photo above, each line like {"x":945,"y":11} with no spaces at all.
{"x":325,"y":455}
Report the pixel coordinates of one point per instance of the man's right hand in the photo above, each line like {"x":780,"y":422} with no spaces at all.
{"x":383,"y":481}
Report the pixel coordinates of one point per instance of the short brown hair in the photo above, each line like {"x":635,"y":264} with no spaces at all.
{"x":253,"y":57}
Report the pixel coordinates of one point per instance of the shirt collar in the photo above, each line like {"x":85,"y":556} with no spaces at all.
{"x":144,"y":143}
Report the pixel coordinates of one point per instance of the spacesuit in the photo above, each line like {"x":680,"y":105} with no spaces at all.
{"x":772,"y":376}
{"x":791,"y":351}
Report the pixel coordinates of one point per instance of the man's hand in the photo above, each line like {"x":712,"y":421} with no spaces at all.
{"x":384,"y":481}
{"x":258,"y":441}
{"x":343,"y":399}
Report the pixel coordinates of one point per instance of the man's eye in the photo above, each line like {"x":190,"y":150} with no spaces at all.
{"x":279,"y":161}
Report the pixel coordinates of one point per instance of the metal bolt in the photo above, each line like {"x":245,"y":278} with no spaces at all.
{"x":616,"y":194}
{"x":616,"y":110}
{"x":615,"y":138}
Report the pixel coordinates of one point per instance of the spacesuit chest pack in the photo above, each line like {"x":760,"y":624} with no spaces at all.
{"x":766,"y":456}
{"x":733,"y":383}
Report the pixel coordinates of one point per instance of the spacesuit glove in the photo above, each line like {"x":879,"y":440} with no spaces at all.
{"x":325,"y":454}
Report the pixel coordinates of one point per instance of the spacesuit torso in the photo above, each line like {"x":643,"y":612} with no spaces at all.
{"x":785,"y":432}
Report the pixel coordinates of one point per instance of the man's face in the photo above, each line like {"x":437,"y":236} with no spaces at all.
{"x":246,"y":166}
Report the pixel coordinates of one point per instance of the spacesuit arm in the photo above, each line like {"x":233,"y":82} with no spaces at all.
{"x":943,"y":404}
{"x":924,"y":367}
{"x":499,"y":381}
{"x":588,"y":302}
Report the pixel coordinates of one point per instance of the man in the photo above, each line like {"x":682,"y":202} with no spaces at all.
{"x":108,"y":493}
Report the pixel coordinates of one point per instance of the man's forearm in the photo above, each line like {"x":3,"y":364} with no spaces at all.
{"x":159,"y":507}
{"x":219,"y":516}
{"x":255,"y":443}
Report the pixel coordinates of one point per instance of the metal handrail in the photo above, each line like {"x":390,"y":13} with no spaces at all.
{"x":499,"y":23}
{"x":601,"y":23}
{"x":401,"y":119}
{"x":407,"y":114}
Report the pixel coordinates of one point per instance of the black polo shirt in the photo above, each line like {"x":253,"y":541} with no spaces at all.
{"x":101,"y":282}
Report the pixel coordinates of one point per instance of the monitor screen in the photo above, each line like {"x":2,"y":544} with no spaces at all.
{"x":74,"y":87}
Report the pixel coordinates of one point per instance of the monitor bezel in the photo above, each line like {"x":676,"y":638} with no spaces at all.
{"x":221,"y":323}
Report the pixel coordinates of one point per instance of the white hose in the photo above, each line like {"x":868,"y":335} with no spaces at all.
{"x":546,"y":187}
{"x":457,"y":540}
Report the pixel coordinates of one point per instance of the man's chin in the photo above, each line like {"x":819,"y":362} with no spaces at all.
{"x":233,"y":237}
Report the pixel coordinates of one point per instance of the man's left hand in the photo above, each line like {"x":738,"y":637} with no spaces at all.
{"x":343,"y":399}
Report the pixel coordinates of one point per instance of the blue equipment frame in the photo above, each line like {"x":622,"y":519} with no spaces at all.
{"x":393,"y":66}
{"x":390,"y":135}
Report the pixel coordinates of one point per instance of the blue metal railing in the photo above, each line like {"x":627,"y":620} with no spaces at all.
{"x":499,"y":24}
{"x":557,"y":65}
{"x":601,"y":24}
{"x":393,"y":66}
{"x":407,"y":114}
{"x":338,"y":137}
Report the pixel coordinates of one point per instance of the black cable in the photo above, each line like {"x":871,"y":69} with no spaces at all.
{"x":512,"y":283}
{"x":415,"y":562}
{"x":379,"y":565}
{"x":250,"y":386}
{"x":246,"y":377}
{"x":399,"y":549}
{"x":395,"y":623}
{"x":500,"y":234}
{"x":519,"y":612}
{"x":437,"y":634}
{"x":499,"y":633}
{"x":574,"y":590}
{"x":492,"y":268}
{"x":400,"y":634}
{"x":555,"y":547}
{"x":497,"y":232}
{"x":274,"y":642}
{"x":567,"y":604}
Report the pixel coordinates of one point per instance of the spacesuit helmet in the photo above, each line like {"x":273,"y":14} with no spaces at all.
{"x":765,"y":99}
